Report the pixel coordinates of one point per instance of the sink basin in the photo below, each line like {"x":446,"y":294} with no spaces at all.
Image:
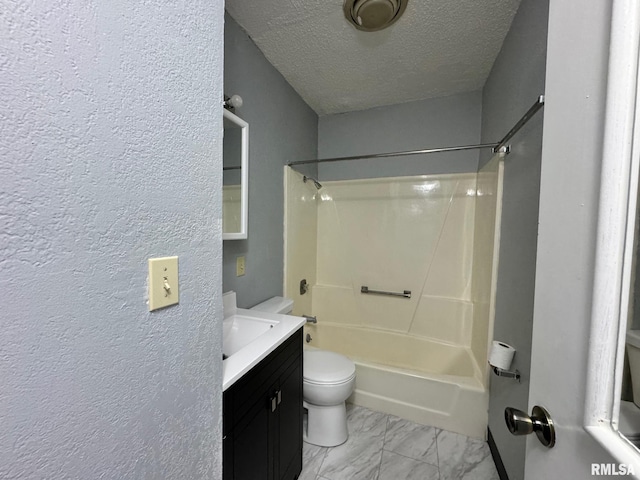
{"x":239,"y":331}
{"x":248,"y":336}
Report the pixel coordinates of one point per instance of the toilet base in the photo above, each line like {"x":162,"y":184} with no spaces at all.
{"x":326,"y":425}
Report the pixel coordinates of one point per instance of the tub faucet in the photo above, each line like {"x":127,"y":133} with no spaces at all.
{"x":310,"y":319}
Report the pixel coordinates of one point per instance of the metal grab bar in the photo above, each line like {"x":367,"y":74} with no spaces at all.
{"x":404,"y":294}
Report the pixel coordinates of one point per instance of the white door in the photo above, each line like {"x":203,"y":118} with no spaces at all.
{"x":579,"y":68}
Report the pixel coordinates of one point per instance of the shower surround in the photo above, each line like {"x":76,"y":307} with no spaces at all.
{"x":422,"y":358}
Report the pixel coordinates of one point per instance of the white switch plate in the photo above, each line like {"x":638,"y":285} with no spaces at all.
{"x":163,"y":282}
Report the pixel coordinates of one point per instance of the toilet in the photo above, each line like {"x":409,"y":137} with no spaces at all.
{"x":328,"y":380}
{"x":629,"y":420}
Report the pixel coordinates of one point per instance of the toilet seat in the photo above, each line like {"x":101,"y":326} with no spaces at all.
{"x":327,"y":368}
{"x":347,"y":380}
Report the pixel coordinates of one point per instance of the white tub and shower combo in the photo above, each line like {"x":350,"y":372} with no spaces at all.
{"x":421,"y":356}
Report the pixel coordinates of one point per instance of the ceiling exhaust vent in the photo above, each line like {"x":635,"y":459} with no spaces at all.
{"x":372,"y":15}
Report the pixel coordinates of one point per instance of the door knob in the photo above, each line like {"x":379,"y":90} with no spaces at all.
{"x":519,"y":423}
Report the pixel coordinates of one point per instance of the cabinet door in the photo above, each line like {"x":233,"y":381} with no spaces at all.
{"x":263,"y":418}
{"x":290,"y":423}
{"x":253,"y":446}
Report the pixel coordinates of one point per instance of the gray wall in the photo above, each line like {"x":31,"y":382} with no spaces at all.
{"x":515,"y":81}
{"x":438,"y":122}
{"x":282,"y":128}
{"x":111,"y":153}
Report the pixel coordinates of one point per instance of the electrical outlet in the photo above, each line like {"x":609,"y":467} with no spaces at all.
{"x":163,"y":282}
{"x":239,"y":266}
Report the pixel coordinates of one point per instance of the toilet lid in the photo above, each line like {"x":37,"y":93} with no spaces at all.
{"x":321,"y":366}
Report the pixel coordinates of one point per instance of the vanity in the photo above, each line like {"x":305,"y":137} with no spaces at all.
{"x":262,"y":398}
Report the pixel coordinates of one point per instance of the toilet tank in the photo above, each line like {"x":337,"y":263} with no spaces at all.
{"x":633,"y":351}
{"x":280,"y":305}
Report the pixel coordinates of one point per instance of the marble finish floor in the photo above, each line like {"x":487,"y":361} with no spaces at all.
{"x":385,"y":447}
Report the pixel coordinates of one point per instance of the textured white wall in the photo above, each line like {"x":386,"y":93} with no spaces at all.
{"x":110,"y":153}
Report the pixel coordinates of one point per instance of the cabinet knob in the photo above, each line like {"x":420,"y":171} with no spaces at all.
{"x":279,"y":395}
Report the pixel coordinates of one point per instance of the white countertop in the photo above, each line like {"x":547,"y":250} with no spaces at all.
{"x":246,"y":358}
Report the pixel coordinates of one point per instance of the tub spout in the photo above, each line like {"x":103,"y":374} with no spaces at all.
{"x":310,"y":319}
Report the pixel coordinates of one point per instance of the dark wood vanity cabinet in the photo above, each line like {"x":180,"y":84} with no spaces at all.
{"x":262,"y":418}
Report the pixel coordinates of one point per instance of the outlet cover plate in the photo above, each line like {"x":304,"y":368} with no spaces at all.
{"x":240,"y":266}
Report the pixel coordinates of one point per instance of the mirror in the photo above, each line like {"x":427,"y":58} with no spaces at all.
{"x":235,"y":175}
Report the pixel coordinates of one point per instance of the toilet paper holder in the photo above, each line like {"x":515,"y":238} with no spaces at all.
{"x":506,"y":373}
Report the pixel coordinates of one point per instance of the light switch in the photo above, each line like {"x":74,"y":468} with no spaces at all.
{"x":163,"y":282}
{"x":239,"y":266}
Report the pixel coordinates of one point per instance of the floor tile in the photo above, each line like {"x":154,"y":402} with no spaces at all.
{"x":411,"y":440}
{"x":312,"y":458}
{"x":464,"y":458}
{"x":360,"y":419}
{"x":385,"y":447}
{"x":397,"y":467}
{"x":359,"y":457}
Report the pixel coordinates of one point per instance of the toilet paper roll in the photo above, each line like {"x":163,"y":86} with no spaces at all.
{"x":501,"y":355}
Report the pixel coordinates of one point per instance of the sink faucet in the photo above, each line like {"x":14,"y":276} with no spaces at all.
{"x":310,"y":319}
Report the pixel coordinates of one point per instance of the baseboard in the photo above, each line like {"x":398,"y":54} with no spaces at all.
{"x":502,"y":472}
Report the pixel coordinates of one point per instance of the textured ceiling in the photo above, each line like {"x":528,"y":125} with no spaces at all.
{"x":438,"y":48}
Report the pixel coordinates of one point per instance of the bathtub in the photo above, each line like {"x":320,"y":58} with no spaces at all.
{"x":418,"y":379}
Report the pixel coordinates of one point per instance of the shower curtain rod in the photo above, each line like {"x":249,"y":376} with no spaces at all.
{"x":496,"y":147}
